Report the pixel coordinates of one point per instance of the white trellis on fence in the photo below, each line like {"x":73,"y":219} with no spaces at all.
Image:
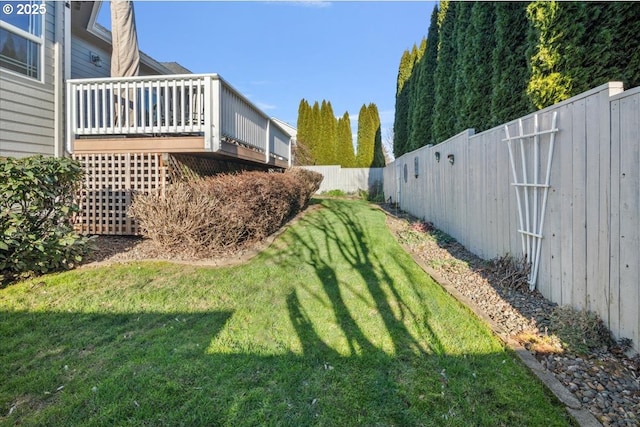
{"x":530,"y":187}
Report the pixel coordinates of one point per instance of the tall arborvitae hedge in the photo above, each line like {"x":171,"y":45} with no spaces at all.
{"x":369,"y":150}
{"x":412,"y":87}
{"x":444,"y":115}
{"x":476,"y":108}
{"x":548,"y":84}
{"x":364,"y":148}
{"x":403,"y":94}
{"x":302,"y":137}
{"x":328,"y":135}
{"x":345,"y":154}
{"x":324,"y":139}
{"x":425,"y":89}
{"x":497,"y":61}
{"x":624,"y":18}
{"x":463,"y":65}
{"x":315,"y":133}
{"x":510,"y":76}
{"x":378,"y":160}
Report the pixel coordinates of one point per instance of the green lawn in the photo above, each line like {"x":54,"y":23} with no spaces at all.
{"x":334,"y":325}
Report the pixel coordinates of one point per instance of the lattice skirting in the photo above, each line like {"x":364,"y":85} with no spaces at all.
{"x":110,"y":181}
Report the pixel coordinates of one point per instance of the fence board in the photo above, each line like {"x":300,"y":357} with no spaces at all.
{"x":579,"y":294}
{"x":550,"y":249}
{"x":564,"y":155}
{"x":503,"y":219}
{"x":491,"y":198}
{"x":614,"y":269}
{"x":629,"y":281}
{"x":602,"y":284}
{"x":593,"y":161}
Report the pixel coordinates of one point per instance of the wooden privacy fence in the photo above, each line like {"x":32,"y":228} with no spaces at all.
{"x":590,"y":244}
{"x":348,"y":180}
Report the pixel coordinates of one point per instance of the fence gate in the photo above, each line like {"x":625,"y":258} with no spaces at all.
{"x":531,"y":189}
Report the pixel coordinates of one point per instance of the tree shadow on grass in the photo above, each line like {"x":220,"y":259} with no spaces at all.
{"x":61,"y":368}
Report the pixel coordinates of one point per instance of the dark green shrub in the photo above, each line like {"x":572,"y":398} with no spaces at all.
{"x":223,"y":213}
{"x":36,"y":205}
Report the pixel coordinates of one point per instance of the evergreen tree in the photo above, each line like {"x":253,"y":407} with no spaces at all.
{"x":402,"y":104}
{"x":329,"y":137}
{"x":510,"y":76}
{"x":345,"y":154}
{"x":412,"y":89}
{"x":366,"y":136}
{"x":422,"y":117}
{"x":547,"y":84}
{"x":598,"y":41}
{"x":463,"y":65}
{"x":369,"y":153}
{"x":315,"y":133}
{"x":303,"y":153}
{"x":478,"y":67}
{"x":377,"y":160}
{"x":575,"y":46}
{"x":624,"y":30}
{"x":445,"y":78}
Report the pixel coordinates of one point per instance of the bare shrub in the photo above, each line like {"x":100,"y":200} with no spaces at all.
{"x":513,"y":272}
{"x":221,"y":214}
{"x":309,"y":182}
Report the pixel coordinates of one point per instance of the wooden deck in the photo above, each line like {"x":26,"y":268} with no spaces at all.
{"x":174,"y":145}
{"x":199,"y":114}
{"x":136,"y":135}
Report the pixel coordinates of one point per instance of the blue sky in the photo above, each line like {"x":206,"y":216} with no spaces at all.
{"x":277,"y":53}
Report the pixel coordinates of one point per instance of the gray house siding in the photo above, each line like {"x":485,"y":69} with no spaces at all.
{"x":83,"y":44}
{"x":81,"y":66}
{"x":27,"y":106}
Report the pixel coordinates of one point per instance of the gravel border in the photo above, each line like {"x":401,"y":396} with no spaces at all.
{"x":600,"y":387}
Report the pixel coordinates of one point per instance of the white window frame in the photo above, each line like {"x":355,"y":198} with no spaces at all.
{"x":40,"y":41}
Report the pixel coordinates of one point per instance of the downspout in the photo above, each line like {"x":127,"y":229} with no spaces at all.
{"x":65,"y":69}
{"x":58,"y":80}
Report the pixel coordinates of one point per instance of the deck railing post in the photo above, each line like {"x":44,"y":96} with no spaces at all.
{"x":208,"y":112}
{"x":267,"y":147}
{"x":212,"y":110}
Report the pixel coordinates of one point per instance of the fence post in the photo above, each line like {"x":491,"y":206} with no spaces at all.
{"x":267,"y":148}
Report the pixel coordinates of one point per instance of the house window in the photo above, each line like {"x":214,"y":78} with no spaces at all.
{"x":21,"y":37}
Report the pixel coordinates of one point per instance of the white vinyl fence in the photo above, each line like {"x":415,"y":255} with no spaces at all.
{"x":349,"y":180}
{"x":590,"y":242}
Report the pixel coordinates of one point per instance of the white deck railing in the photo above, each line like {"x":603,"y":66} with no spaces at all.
{"x":171,"y":105}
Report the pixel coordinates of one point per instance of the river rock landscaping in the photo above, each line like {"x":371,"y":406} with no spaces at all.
{"x":576,"y":347}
